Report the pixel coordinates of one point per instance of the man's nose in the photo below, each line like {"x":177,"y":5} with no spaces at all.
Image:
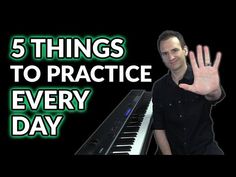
{"x":171,"y":56}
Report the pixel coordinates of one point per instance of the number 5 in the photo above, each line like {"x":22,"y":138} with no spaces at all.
{"x":17,"y":44}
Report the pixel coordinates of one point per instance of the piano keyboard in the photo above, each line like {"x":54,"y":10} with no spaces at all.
{"x":132,"y":138}
{"x":126,"y":131}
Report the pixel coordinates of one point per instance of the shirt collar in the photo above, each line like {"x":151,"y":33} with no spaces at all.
{"x":188,"y":76}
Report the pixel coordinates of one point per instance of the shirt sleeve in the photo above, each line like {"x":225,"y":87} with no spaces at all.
{"x":158,"y":116}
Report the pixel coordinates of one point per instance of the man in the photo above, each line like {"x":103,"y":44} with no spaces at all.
{"x":182,"y":99}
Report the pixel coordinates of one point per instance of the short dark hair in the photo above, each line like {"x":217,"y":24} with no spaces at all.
{"x":168,"y":34}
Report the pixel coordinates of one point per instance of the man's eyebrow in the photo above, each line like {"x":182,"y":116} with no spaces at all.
{"x":175,"y":49}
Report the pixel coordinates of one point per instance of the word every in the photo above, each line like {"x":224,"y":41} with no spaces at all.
{"x":50,"y":99}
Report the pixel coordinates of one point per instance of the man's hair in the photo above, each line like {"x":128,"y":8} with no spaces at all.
{"x":169,"y":34}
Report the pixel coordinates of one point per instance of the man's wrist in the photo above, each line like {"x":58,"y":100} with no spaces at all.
{"x":214,"y":95}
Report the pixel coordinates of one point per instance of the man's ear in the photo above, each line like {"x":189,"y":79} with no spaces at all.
{"x":186,"y":50}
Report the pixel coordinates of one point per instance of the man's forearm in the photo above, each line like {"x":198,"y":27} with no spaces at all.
{"x":162,"y":142}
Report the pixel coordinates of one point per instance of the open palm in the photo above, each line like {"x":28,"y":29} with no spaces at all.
{"x":206,"y":76}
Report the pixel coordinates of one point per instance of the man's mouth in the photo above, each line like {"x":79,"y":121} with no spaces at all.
{"x":173,"y":61}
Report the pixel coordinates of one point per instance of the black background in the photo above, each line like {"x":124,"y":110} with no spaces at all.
{"x":198,"y":26}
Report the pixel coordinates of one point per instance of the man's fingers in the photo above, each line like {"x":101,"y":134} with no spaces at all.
{"x":207,"y":56}
{"x":193,"y":61}
{"x":217,"y":60}
{"x":200,"y":56}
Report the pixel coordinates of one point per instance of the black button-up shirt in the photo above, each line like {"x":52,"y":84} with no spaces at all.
{"x":185,"y":116}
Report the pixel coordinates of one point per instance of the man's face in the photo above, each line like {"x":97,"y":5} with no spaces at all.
{"x":173,"y":56}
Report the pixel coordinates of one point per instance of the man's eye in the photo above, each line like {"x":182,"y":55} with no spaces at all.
{"x":164,"y":54}
{"x":175,"y":50}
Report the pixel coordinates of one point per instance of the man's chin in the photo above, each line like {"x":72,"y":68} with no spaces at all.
{"x":174,"y":66}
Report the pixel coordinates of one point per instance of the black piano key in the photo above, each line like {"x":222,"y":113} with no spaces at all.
{"x":140,"y":115}
{"x":119,"y":153}
{"x":127,"y":139}
{"x":136,"y":118}
{"x":130,"y":129}
{"x":124,"y":141}
{"x":120,"y":148}
{"x":128,"y":134}
{"x":130,"y":123}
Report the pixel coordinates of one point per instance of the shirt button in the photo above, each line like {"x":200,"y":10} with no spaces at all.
{"x":170,"y":104}
{"x":179,"y":101}
{"x":180,"y":116}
